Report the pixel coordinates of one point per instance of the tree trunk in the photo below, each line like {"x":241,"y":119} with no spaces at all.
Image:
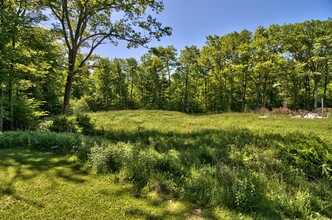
{"x":205,"y":94}
{"x":185,"y":101}
{"x":326,"y":79}
{"x":169,"y":86}
{"x":11,"y":101}
{"x":69,"y":82}
{"x":231,"y":98}
{"x":10,"y":81}
{"x":1,"y":108}
{"x":264,"y":91}
{"x":307,"y":92}
{"x":244,"y":90}
{"x":66,"y":99}
{"x":316,"y":80}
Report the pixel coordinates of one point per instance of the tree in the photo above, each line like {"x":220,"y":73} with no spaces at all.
{"x":188,"y":75}
{"x":168,"y":56}
{"x":308,"y":45}
{"x":17,"y":21}
{"x":131,"y":69}
{"x":89,"y":23}
{"x":153,"y":82}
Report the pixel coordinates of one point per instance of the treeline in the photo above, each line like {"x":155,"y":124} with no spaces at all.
{"x":279,"y":66}
{"x":288,"y":65}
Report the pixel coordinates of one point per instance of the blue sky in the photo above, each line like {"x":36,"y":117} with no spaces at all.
{"x":193,"y":20}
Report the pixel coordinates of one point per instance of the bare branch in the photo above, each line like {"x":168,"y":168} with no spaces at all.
{"x":61,"y":19}
{"x":93,"y":47}
{"x":66,"y":16}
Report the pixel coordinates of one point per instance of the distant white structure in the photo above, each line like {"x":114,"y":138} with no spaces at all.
{"x":311,"y":115}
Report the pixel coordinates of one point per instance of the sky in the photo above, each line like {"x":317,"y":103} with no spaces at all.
{"x":193,"y":20}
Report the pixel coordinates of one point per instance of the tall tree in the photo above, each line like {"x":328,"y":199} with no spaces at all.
{"x":308,"y":44}
{"x":17,"y":18}
{"x":89,"y":23}
{"x":131,"y":69}
{"x":188,"y":76}
{"x":153,"y":81}
{"x":168,"y":56}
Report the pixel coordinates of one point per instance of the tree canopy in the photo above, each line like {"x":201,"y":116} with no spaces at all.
{"x":42,"y":68}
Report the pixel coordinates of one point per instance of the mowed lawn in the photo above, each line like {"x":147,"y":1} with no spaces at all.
{"x":39,"y":185}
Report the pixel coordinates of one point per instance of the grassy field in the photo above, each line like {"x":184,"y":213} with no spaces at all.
{"x":169,"y":165}
{"x":165,"y":121}
{"x":39,"y":185}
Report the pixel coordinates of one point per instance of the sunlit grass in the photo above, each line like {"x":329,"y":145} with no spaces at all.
{"x":35,"y":185}
{"x":165,"y":121}
{"x":170,"y":165}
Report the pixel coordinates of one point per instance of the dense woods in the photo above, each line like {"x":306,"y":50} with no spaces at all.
{"x":42,"y":69}
{"x":279,"y":66}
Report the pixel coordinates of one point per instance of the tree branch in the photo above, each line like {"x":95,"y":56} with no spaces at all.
{"x":93,"y":47}
{"x":61,"y":19}
{"x":66,"y":16}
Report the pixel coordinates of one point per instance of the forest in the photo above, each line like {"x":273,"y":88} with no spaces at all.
{"x":43,"y":68}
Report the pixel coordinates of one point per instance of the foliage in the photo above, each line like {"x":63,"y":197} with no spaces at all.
{"x":236,"y":72}
{"x":81,"y":123}
{"x":93,"y":26}
{"x":64,"y":143}
{"x":63,"y":124}
{"x":80,"y":106}
{"x":311,"y":155}
{"x":84,"y":123}
{"x":275,"y":68}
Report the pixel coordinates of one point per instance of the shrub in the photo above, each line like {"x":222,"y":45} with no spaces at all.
{"x":27,"y":113}
{"x":281,"y":110}
{"x":84,"y":123}
{"x":104,"y":159}
{"x":80,"y":106}
{"x":62,"y":124}
{"x":64,"y":143}
{"x":310,"y":154}
{"x":81,"y":123}
{"x":264,"y":111}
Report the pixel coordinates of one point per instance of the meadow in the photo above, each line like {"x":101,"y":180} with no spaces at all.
{"x":169,"y":165}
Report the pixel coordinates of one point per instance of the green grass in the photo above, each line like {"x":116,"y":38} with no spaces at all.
{"x":267,"y":168}
{"x":39,"y":185}
{"x":169,"y":165}
{"x":165,"y":121}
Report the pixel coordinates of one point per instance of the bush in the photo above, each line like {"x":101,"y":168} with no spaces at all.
{"x":263,"y":110}
{"x":310,"y":154}
{"x":64,"y":143}
{"x":281,"y":110}
{"x":104,"y":158}
{"x":84,"y":123}
{"x":81,"y":123}
{"x":63,"y":124}
{"x":27,"y":113}
{"x":247,"y":196}
{"x":80,"y":106}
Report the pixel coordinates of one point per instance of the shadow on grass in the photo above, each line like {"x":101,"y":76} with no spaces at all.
{"x":221,"y":151}
{"x":241,"y":149}
{"x":22,"y":165}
